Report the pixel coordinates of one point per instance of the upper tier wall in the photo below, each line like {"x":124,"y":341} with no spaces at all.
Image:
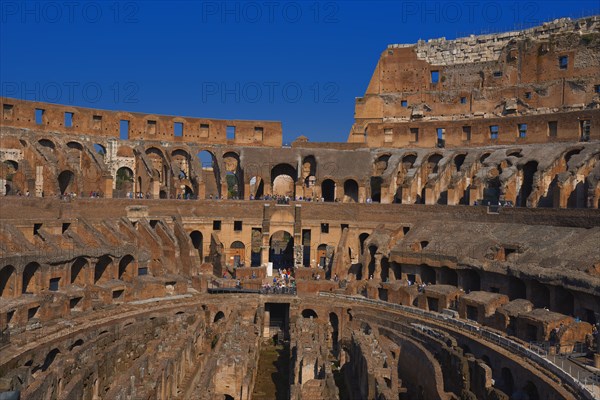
{"x":476,"y":48}
{"x":88,"y":121}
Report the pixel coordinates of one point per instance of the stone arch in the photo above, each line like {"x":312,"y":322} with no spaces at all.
{"x":309,"y":313}
{"x":66,"y":182}
{"x":196,"y":237}
{"x":124,"y":180}
{"x":160,"y":165}
{"x":427,"y":274}
{"x":47,"y":143}
{"x":570,"y":153}
{"x":531,"y":390}
{"x":350,"y":191}
{"x":32,"y":278}
{"x":361,"y":239}
{"x":507,"y":384}
{"x":8,"y":282}
{"x":448,"y":276}
{"x":75,"y":145}
{"x":471,"y":281}
{"x":126,"y":268}
{"x":516,"y":288}
{"x":433,"y":162}
{"x":8,"y":169}
{"x":328,"y":190}
{"x":211,"y":176}
{"x":281,"y":249}
{"x":181,"y":158}
{"x":101,"y":150}
{"x":79,"y":270}
{"x":238,"y":253}
{"x":375,"y":184}
{"x":459,"y":160}
{"x":371,"y":265}
{"x":234,"y":175}
{"x":484,"y":157}
{"x":219,"y":316}
{"x":103,"y":270}
{"x":322,"y":255}
{"x":309,"y":170}
{"x":381,"y":164}
{"x":284,"y":186}
{"x":564,"y":300}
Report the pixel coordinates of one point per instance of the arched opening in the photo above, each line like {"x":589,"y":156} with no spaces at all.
{"x":75,"y":146}
{"x":78,"y":271}
{"x":126,"y":270}
{"x":396,"y":268}
{"x":459,"y":161}
{"x":381,"y":164}
{"x":283,"y":178}
{"x":234,"y":175}
{"x":492,"y":189}
{"x":322,"y":255}
{"x":47,"y":144}
{"x":66,"y":180}
{"x":309,"y":313}
{"x":328,"y":190}
{"x":281,"y":250}
{"x":350,"y":191}
{"x":427,"y":274}
{"x":196,"y":237}
{"x":376,"y":182}
{"x":162,"y":194}
{"x":361,"y":239}
{"x":31,"y":278}
{"x":516,"y":288}
{"x":210,"y":174}
{"x":531,"y":390}
{"x":101,"y":150}
{"x":570,"y":154}
{"x":448,"y":276}
{"x":408,"y":161}
{"x":564,"y":300}
{"x":529,"y":171}
{"x":578,"y":197}
{"x":309,"y":170}
{"x":8,"y":282}
{"x":507,"y":385}
{"x":124,"y":181}
{"x":219,"y":316}
{"x":77,"y":343}
{"x":540,"y":295}
{"x":180,"y":161}
{"x":48,"y":361}
{"x":257,"y":187}
{"x":484,"y":157}
{"x":237,"y":253}
{"x":102,"y":270}
{"x":471,"y":280}
{"x":433,"y":162}
{"x":547,"y":200}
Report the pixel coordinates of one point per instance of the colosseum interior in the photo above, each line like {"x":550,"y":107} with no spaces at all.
{"x":450,"y":249}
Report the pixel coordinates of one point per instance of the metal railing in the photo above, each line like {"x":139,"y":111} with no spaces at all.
{"x":588,"y":389}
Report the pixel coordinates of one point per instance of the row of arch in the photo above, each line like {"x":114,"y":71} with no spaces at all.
{"x":14,"y":283}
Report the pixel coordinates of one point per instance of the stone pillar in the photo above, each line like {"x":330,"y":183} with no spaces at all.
{"x":362,"y":194}
{"x":39,"y":181}
{"x":246,"y":191}
{"x":266,"y":324}
{"x":430,"y":196}
{"x":475,"y":193}
{"x":377,"y":272}
{"x":452,"y":196}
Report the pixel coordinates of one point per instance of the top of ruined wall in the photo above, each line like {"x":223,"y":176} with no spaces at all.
{"x":481,"y":48}
{"x":88,"y":121}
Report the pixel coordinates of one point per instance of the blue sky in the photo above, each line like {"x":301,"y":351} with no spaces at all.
{"x":299,"y":62}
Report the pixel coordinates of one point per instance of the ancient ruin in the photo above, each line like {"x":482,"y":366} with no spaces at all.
{"x":449,"y":250}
